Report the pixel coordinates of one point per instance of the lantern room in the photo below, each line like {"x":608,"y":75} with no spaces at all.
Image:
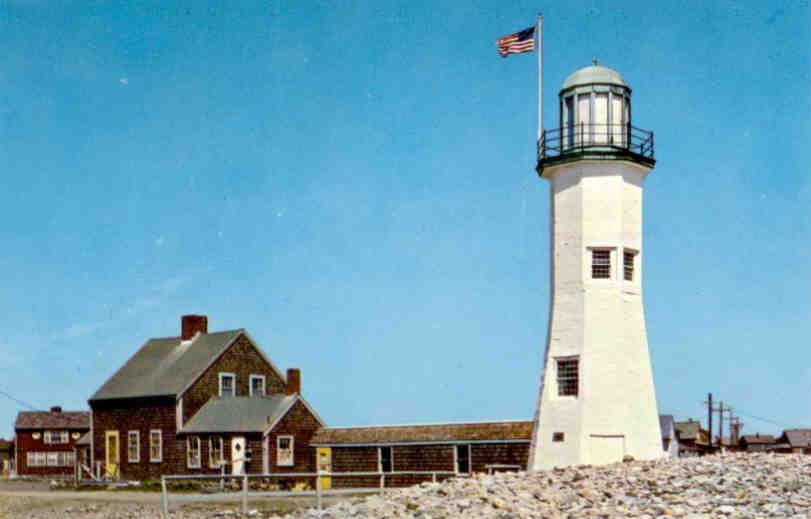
{"x":595,"y":121}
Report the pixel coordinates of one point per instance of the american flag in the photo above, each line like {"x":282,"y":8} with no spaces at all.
{"x":517,"y":43}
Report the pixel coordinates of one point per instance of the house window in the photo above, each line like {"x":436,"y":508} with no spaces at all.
{"x":54,"y":437}
{"x":53,"y":459}
{"x":601,"y":264}
{"x":193,"y":452}
{"x":257,"y":385}
{"x":155,"y":446}
{"x":36,"y":459}
{"x":463,"y":459}
{"x":628,"y":264}
{"x":385,"y":458}
{"x":133,"y":446}
{"x":284,"y":451}
{"x":227,"y":384}
{"x":568,"y":376}
{"x":215,"y":452}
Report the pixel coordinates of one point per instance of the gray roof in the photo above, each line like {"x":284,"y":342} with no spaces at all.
{"x":594,"y":75}
{"x":239,"y":414}
{"x":84,"y":440}
{"x":164,"y":367}
{"x":688,"y":430}
{"x":666,"y":424}
{"x":798,"y":437}
{"x":757,"y":438}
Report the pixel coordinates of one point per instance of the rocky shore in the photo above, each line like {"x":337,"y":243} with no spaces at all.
{"x":736,"y":485}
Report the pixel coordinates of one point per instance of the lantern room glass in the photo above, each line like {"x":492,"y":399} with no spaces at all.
{"x":595,"y":118}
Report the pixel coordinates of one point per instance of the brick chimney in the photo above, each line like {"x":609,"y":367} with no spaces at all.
{"x":293,"y":382}
{"x":56,"y":409}
{"x":191,"y":324}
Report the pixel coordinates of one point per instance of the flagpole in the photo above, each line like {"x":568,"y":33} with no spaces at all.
{"x":539,"y":46}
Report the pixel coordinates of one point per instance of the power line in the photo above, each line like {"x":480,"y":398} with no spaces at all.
{"x":761,"y":419}
{"x":15,"y":399}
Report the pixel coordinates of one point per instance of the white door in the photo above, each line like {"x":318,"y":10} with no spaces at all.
{"x":238,"y":455}
{"x":605,"y":449}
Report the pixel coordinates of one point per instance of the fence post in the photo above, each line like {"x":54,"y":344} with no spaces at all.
{"x":245,"y":495}
{"x":318,"y":490}
{"x":433,"y":476}
{"x":382,"y":482}
{"x":222,"y":477}
{"x":165,"y":498}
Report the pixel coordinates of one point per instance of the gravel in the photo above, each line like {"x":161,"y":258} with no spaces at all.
{"x":731,"y":486}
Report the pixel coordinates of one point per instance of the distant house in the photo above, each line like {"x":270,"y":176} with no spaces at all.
{"x":201,"y":403}
{"x":795,"y":441}
{"x":670,"y":442}
{"x":693,"y":439}
{"x":44,"y":441}
{"x":6,"y":457}
{"x":756,"y":442}
{"x":456,"y":448}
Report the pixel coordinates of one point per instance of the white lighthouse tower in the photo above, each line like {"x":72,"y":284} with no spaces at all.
{"x":597,"y":402}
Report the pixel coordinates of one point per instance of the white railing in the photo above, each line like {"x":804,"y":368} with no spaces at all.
{"x":319,"y":491}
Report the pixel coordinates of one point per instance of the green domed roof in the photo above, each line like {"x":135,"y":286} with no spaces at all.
{"x":594,"y":74}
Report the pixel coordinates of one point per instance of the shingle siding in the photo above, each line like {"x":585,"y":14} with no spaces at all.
{"x":243,"y":359}
{"x":301,"y":424}
{"x":140,"y":415}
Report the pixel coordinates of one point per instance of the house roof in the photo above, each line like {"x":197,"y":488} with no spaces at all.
{"x":84,"y":440}
{"x":165,"y":367}
{"x":667,"y":425}
{"x":798,"y":437}
{"x":688,"y":430}
{"x":239,"y":414}
{"x":449,"y":432}
{"x":51,"y":420}
{"x":758,"y":438}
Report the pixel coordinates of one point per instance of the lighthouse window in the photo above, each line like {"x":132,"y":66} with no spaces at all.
{"x":568,"y":376}
{"x":601,"y":264}
{"x":628,"y":264}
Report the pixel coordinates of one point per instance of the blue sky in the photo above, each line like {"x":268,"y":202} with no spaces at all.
{"x":353,"y":183}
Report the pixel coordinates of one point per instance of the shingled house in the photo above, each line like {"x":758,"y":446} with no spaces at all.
{"x":43,"y":442}
{"x":794,"y":440}
{"x":458,"y":448}
{"x":693,"y":439}
{"x":201,"y":403}
{"x":756,"y":442}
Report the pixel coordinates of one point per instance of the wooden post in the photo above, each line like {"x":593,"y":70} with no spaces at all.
{"x":382,"y":482}
{"x":245,"y":495}
{"x":165,"y":498}
{"x":433,"y":476}
{"x":222,"y":477}
{"x":318,"y":491}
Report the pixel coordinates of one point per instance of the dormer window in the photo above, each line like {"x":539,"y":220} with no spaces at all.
{"x":257,"y":387}
{"x":227,"y":384}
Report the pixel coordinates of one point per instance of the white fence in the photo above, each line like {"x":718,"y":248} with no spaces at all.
{"x":319,"y":492}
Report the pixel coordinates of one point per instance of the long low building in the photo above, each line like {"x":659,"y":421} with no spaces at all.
{"x":455,"y":448}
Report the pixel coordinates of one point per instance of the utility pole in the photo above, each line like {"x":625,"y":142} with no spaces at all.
{"x":709,"y":417}
{"x":721,"y":425}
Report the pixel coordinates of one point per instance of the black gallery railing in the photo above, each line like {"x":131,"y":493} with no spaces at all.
{"x":557,"y":142}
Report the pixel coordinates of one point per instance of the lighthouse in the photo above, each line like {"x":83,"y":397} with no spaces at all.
{"x":597,"y":402}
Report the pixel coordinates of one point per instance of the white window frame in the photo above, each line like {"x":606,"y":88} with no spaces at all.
{"x":215,"y":463}
{"x":137,"y":457}
{"x":279,"y":461}
{"x":380,"y":458}
{"x":189,"y":464}
{"x":250,"y":384}
{"x":52,"y":459}
{"x":557,"y":376}
{"x":233,"y":378}
{"x":159,"y":434}
{"x":55,"y":437}
{"x":612,"y":262}
{"x":469,"y":458}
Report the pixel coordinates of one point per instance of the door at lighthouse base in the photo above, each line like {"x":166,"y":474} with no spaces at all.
{"x":606,"y":448}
